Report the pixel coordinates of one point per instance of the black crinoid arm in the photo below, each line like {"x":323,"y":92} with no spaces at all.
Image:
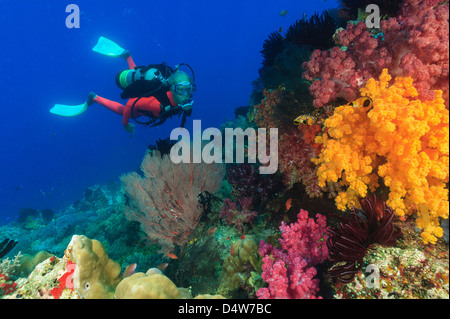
{"x":6,"y":246}
{"x":348,"y":244}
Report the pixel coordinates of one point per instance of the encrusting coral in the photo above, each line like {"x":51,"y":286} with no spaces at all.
{"x":243,"y":252}
{"x":400,"y":144}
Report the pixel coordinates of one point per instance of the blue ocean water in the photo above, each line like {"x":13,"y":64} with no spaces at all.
{"x":48,"y":161}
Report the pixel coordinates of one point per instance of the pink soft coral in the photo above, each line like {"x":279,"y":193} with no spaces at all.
{"x":289,"y":270}
{"x":415,"y":44}
{"x":418,"y":43}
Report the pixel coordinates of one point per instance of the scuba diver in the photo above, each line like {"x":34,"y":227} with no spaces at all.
{"x":156,"y":91}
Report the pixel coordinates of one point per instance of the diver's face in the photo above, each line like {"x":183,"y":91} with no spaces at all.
{"x":182,"y":92}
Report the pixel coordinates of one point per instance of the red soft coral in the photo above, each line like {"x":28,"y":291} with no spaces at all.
{"x":341,"y":73}
{"x":295,"y":162}
{"x":415,"y":44}
{"x":418,"y":43}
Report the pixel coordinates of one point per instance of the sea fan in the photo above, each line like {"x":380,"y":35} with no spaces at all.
{"x":349,"y":243}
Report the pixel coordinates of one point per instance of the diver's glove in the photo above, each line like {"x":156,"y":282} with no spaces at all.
{"x":129,"y":128}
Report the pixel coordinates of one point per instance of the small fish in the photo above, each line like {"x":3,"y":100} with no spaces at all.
{"x":242,"y":277}
{"x":289,"y":204}
{"x":283,"y":13}
{"x":163,"y":266}
{"x":129,"y":270}
{"x":251,"y":115}
{"x":365,"y":102}
{"x":305,"y":119}
{"x":171,"y":256}
{"x":280,"y":30}
{"x":212,"y":230}
{"x":243,"y":237}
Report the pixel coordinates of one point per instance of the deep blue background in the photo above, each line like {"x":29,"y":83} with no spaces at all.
{"x":48,"y":161}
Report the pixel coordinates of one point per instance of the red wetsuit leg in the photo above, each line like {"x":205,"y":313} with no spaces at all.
{"x":131,"y":64}
{"x":116,"y":107}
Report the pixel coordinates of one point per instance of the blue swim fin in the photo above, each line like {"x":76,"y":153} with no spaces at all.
{"x":108,"y":47}
{"x":69,"y":110}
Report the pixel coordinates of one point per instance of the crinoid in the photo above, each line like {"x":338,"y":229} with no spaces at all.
{"x":6,"y":246}
{"x":272,"y":46}
{"x":349,"y":243}
{"x":317,"y":31}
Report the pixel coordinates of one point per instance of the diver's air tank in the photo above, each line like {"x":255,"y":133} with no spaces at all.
{"x":127,"y":77}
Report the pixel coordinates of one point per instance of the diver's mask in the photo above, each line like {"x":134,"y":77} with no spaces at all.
{"x":184,"y":88}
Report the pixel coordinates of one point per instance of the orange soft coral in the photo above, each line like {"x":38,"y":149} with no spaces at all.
{"x":401,"y":142}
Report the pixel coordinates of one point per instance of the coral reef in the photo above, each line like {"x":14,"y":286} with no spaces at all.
{"x":364,"y":150}
{"x":86,"y":271}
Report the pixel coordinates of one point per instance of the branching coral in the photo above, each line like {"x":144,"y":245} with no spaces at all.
{"x":401,"y":143}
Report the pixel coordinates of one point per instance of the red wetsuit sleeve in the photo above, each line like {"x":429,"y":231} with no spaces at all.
{"x":131,"y":64}
{"x":143,"y":106}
